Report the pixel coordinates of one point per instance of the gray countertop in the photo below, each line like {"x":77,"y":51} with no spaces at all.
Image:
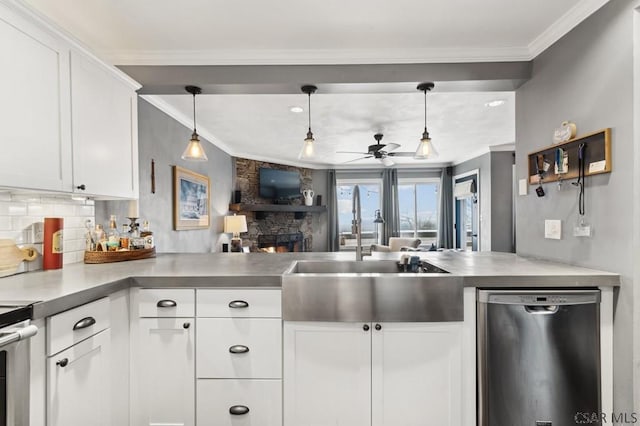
{"x":75,"y":284}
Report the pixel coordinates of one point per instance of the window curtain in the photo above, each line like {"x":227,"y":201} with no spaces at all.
{"x":445,"y":219}
{"x":333,"y":241}
{"x":390,"y":208}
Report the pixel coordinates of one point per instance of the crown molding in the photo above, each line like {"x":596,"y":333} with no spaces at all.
{"x":317,"y":56}
{"x":563,"y":25}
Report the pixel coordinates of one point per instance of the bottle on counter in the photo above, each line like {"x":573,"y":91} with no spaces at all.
{"x":124,"y":237}
{"x":113,"y":236}
{"x":147,"y":235}
{"x":100,"y":238}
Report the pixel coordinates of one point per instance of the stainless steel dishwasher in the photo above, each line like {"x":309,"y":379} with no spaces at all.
{"x":538,"y":356}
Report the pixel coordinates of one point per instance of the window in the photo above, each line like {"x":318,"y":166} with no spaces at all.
{"x":370,"y":201}
{"x":418,"y":206}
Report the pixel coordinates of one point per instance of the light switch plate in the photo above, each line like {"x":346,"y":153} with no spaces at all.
{"x":523,"y":187}
{"x":553,"y":229}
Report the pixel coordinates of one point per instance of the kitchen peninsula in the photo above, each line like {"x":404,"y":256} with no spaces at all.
{"x":149,"y":319}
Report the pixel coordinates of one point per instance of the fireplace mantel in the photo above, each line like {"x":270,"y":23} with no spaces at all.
{"x":261,"y":209}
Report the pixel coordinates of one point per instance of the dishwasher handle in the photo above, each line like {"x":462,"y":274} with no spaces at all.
{"x":541,"y":309}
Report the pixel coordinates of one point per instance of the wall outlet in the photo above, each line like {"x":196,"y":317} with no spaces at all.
{"x":523,"y":186}
{"x":553,"y":229}
{"x":582,"y":231}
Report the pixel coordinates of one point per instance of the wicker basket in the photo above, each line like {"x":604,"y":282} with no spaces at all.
{"x":118,"y":256}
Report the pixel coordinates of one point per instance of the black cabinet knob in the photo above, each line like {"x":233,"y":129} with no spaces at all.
{"x":365,"y":327}
{"x":186,"y":325}
{"x":81,"y":187}
{"x":63,"y":362}
{"x":378,"y":327}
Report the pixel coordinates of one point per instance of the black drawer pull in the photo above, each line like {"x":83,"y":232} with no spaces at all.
{"x":238,"y":349}
{"x":238,"y":410}
{"x":63,"y":362}
{"x":238,"y":304}
{"x":166,"y":303}
{"x":84,"y":323}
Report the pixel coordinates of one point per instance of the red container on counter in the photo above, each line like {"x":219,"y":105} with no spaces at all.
{"x":52,"y":249}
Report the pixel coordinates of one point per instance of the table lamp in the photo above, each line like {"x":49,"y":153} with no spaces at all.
{"x":235,"y":224}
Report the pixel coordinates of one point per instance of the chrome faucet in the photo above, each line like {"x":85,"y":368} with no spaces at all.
{"x":356,"y":223}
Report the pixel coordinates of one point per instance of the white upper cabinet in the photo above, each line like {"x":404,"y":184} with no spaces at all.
{"x":68,"y":121}
{"x":104,"y":131}
{"x":34,"y":107}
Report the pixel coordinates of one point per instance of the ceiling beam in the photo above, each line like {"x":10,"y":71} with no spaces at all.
{"x":376,"y":78}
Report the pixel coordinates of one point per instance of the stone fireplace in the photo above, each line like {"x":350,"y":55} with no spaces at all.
{"x":281,"y":243}
{"x":281,"y":231}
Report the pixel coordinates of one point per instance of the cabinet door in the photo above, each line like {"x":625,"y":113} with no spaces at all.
{"x":163,"y":372}
{"x":416,"y":374}
{"x":104,"y":131}
{"x":34,"y":106}
{"x":79,"y":384}
{"x":327,"y":374}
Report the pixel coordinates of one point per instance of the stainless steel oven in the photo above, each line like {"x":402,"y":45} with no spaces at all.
{"x":15,"y":331}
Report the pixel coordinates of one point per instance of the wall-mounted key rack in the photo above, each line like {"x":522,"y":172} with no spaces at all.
{"x":597,"y":158}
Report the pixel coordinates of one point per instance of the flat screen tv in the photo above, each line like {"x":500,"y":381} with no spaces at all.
{"x":279,"y":184}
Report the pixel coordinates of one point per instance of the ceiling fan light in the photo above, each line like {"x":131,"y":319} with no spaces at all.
{"x":388,"y":162}
{"x":194,"y":150}
{"x":308,"y":150}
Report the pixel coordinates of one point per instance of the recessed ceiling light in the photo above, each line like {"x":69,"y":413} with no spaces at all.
{"x":296,"y":109}
{"x":494,"y":103}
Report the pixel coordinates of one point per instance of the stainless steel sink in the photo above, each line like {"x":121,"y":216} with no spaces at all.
{"x":372,"y":290}
{"x":357,"y":267}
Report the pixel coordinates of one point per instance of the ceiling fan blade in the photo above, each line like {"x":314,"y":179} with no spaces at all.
{"x":358,"y":159}
{"x":401,"y":154}
{"x":391,"y":146}
{"x":352,"y":152}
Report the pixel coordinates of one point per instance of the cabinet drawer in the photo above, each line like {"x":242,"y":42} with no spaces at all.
{"x":215,"y":398}
{"x":158,"y":303}
{"x":239,"y":348}
{"x":75,"y":325}
{"x":239,"y":303}
{"x":78,"y":384}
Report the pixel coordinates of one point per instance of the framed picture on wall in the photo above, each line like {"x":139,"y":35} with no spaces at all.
{"x":191,"y":200}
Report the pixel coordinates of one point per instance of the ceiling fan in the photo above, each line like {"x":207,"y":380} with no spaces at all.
{"x":380,"y":152}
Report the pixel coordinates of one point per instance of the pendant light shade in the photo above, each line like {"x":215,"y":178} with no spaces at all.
{"x":308,"y":149}
{"x":425,"y":149}
{"x":194,"y":150}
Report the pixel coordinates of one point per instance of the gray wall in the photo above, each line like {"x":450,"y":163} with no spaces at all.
{"x":502,"y":201}
{"x":483,"y":164}
{"x":586,"y":77}
{"x":163,"y":139}
{"x":319,"y":179}
{"x":495,"y":178}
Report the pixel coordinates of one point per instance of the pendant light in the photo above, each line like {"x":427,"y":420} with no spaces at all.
{"x":194,"y":151}
{"x":425,"y":148}
{"x":307,"y":152}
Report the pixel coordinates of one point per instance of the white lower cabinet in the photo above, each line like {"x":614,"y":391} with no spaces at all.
{"x":327,"y":374}
{"x":380,"y":374}
{"x":163,"y":373}
{"x":239,"y":402}
{"x":416,"y":374}
{"x":78,"y":384}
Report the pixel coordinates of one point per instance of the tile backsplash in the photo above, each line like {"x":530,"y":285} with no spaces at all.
{"x":22,"y":217}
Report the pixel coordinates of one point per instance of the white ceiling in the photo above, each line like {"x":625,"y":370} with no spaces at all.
{"x":263,"y":127}
{"x":328,"y":31}
{"x":219,"y":32}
